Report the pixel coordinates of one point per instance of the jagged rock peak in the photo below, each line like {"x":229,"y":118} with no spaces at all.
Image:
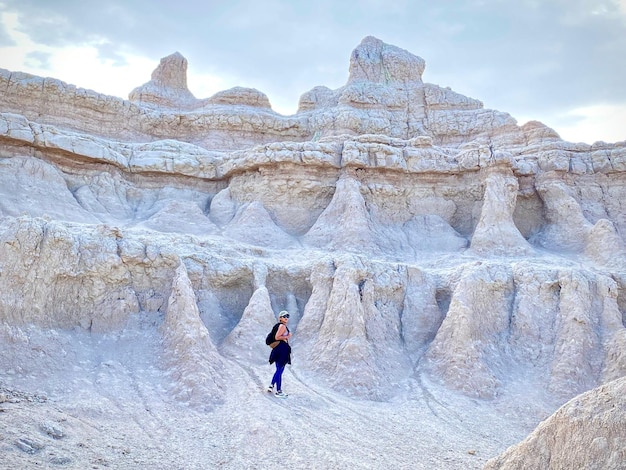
{"x":375,"y":61}
{"x":168,"y":86}
{"x":171,"y":72}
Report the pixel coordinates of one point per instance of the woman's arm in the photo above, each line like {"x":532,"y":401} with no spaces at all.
{"x":281,"y":334}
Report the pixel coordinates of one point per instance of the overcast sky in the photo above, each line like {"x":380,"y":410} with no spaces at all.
{"x":562,"y":62}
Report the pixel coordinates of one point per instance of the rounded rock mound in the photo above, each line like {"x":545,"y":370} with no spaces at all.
{"x":240,"y":96}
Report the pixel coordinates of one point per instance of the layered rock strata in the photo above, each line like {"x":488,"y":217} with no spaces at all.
{"x":407,"y":229}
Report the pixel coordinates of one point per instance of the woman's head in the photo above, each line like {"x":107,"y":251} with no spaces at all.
{"x":283,"y":316}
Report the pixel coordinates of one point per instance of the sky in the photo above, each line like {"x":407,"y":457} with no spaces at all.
{"x":561,"y":62}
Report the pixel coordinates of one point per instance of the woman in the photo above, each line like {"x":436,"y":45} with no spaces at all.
{"x":281,"y":354}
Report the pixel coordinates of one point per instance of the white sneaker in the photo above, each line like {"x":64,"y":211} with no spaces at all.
{"x":270,"y":389}
{"x":280,"y":394}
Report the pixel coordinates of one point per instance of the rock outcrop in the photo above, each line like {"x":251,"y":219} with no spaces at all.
{"x":168,"y":86}
{"x":586,"y":432}
{"x":407,"y":229}
{"x":191,"y":357}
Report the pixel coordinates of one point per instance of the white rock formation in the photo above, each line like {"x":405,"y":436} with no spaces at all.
{"x":253,"y":224}
{"x":469,"y":350}
{"x":413,"y":235}
{"x":586,"y":432}
{"x":496,"y":232}
{"x":345,"y":224}
{"x":190,"y":355}
{"x":247,"y":340}
{"x":240,"y":96}
{"x":168,"y":86}
{"x":358,"y":338}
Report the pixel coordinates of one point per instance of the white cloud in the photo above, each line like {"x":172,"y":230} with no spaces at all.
{"x":203,"y":85}
{"x":80,"y":66}
{"x":588,"y":124}
{"x":593,"y":123}
{"x":85,"y":67}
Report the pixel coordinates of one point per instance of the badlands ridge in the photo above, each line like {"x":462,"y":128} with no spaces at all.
{"x":414,"y":236}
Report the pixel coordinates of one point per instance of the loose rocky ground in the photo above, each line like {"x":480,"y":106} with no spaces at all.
{"x":107,"y":406}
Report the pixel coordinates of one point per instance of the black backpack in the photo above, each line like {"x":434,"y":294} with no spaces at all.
{"x":271,"y":336}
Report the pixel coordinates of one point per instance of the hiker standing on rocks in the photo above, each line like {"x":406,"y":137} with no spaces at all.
{"x":281,"y":353}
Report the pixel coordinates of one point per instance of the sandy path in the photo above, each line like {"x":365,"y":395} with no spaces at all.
{"x":106,"y":405}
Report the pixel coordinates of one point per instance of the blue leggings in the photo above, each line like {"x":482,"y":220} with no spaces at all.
{"x":278,"y":376}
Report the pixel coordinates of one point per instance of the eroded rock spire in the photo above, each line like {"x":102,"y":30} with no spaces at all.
{"x":168,"y":86}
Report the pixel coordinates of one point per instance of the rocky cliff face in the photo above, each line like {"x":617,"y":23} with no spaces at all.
{"x":407,"y":229}
{"x":587,"y":432}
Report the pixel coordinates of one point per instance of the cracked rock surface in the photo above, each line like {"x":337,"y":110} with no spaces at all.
{"x":453,"y":278}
